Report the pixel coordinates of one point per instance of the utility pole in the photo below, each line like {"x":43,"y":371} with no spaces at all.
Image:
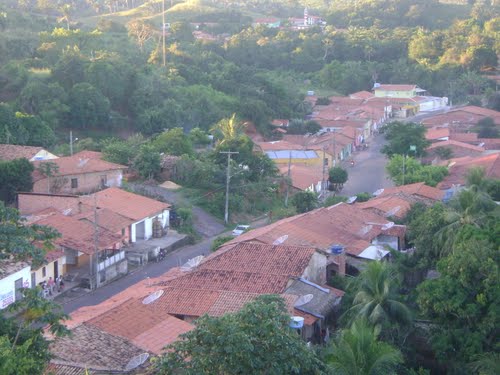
{"x":404,"y":169}
{"x":228,"y":177}
{"x":94,"y":258}
{"x":323,"y":180}
{"x":71,"y":142}
{"x":163,"y":32}
{"x":334,"y":162}
{"x":288,"y":178}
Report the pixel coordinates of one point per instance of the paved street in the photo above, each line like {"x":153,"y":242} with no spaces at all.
{"x":177,"y":258}
{"x":368,"y":174}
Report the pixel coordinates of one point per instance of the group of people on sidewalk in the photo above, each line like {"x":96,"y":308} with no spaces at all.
{"x":51,"y":286}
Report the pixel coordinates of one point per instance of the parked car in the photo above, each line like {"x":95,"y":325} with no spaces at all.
{"x":240,"y":229}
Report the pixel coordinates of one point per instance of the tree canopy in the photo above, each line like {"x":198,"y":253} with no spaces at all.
{"x":255,"y":340}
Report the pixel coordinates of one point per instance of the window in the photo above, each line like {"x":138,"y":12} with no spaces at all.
{"x":44,"y":272}
{"x":74,"y":183}
{"x":123,"y":231}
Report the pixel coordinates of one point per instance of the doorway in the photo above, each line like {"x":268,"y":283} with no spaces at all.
{"x":56,"y":269}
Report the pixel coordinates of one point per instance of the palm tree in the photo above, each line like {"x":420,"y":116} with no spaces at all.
{"x":471,"y":207}
{"x":358,"y":352}
{"x":376,"y":297}
{"x":228,"y":129}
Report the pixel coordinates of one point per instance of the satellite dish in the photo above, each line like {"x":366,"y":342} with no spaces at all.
{"x":302,"y":300}
{"x":192,"y":263}
{"x":389,"y":225}
{"x":280,"y":240}
{"x":66,"y":212}
{"x":152,"y":297}
{"x":352,"y":199}
{"x":393,"y":211}
{"x":136,"y":361}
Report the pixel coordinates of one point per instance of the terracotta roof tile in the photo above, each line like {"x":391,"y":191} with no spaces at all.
{"x":78,"y":235}
{"x":94,"y":348}
{"x":303,"y":176}
{"x":458,"y":169}
{"x":236,"y":281}
{"x":11,"y":152}
{"x":388,"y":206}
{"x":456,"y":144}
{"x":74,"y":165}
{"x":321,"y":228}
{"x":129,"y":205}
{"x":263,"y":259}
{"x":106,"y":219}
{"x":418,"y":189}
{"x":437,"y":133}
{"x":464,"y":137}
{"x":361,"y":95}
{"x":162,"y":334}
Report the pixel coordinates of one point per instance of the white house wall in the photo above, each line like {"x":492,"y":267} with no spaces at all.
{"x":164,"y":218}
{"x":49,"y":270}
{"x":7,"y":286}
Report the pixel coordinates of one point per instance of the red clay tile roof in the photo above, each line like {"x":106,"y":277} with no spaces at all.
{"x":263,"y":259}
{"x":11,"y":152}
{"x":486,"y":112}
{"x":74,"y":165}
{"x":78,"y":235}
{"x":418,"y":188}
{"x":389,"y":206}
{"x":236,"y":281}
{"x":149,"y":327}
{"x":91,"y":347}
{"x":437,"y":133}
{"x":106,"y":219}
{"x":129,"y":205}
{"x":361,"y":95}
{"x":56,"y":367}
{"x":458,"y":169}
{"x":321,"y":228}
{"x":464,"y":137}
{"x":455,"y":144}
{"x":303,"y":176}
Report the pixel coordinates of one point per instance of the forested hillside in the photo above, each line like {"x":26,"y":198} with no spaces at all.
{"x":97,"y":65}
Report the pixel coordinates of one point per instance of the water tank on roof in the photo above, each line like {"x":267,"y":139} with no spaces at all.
{"x":337,"y":249}
{"x":310,"y":93}
{"x":296,"y":322}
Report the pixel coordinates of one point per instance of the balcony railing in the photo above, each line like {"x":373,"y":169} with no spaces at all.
{"x":111,"y":260}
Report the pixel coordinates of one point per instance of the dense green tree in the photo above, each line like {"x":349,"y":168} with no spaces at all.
{"x":199,"y":137}
{"x":89,"y":107}
{"x":147,"y":162}
{"x":15,"y":176}
{"x":120,"y":151}
{"x":376,"y":298}
{"x":463,"y":302}
{"x":70,"y":69}
{"x":255,"y":340}
{"x":358,"y":351}
{"x":305,"y":201}
{"x":337,"y":177}
{"x":486,"y":128}
{"x":173,"y":142}
{"x":22,"y":242}
{"x":406,"y":170}
{"x":402,"y":136}
{"x":23,"y":347}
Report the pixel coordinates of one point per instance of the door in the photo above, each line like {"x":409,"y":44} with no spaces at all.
{"x":56,"y":269}
{"x":18,"y":284}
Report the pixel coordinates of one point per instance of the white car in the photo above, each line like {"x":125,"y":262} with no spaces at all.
{"x":240,"y":229}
